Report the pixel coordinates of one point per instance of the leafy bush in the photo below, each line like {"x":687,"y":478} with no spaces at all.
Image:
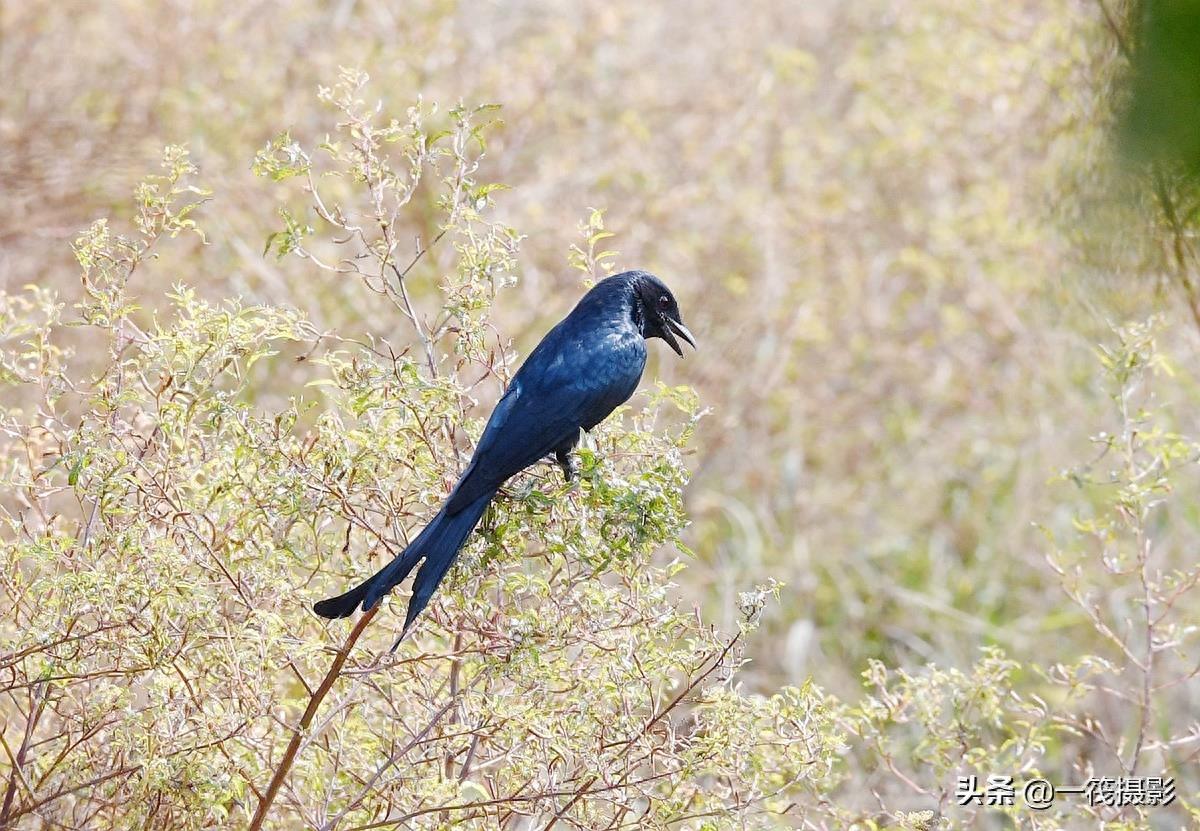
{"x":165,"y":535}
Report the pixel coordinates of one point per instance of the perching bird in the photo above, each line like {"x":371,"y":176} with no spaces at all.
{"x":583,"y":369}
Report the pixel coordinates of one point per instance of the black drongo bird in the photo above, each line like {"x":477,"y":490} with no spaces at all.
{"x":583,"y":369}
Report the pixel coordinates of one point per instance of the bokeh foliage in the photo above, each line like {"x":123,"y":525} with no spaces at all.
{"x":1161,"y":119}
{"x":902,"y":236}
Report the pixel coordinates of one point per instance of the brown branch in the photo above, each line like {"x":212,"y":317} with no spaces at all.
{"x":61,"y":792}
{"x":14,"y":657}
{"x":691,"y":685}
{"x":517,"y":798}
{"x":310,"y":712}
{"x":1178,"y":243}
{"x":409,"y":310}
{"x":37,"y":704}
{"x":1117,"y":34}
{"x":391,"y":760}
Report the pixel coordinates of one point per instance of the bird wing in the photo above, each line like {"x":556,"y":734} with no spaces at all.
{"x":567,"y":383}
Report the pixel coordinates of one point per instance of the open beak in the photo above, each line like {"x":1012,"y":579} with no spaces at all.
{"x":676,"y":327}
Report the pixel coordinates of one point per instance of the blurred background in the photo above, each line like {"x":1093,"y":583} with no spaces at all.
{"x":898,"y":231}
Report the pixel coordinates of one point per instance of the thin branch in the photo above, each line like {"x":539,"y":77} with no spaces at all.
{"x":289,"y":756}
{"x":1118,"y":35}
{"x":691,"y":685}
{"x":409,"y":310}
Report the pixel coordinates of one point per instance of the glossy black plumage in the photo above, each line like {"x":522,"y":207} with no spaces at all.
{"x":583,"y":369}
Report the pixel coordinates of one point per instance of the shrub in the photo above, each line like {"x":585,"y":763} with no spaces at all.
{"x":165,"y":533}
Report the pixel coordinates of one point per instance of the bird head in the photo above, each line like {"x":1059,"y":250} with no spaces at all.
{"x":659,"y":312}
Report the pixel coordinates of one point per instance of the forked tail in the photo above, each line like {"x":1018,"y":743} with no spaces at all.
{"x":437,"y":545}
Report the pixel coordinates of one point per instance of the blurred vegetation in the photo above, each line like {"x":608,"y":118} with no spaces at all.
{"x":1161,"y":119}
{"x":948,"y":339}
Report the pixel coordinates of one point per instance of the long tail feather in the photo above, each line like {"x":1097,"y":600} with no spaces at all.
{"x":437,"y":545}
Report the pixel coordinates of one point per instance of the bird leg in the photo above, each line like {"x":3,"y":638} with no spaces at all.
{"x":566,"y":460}
{"x":569,"y":464}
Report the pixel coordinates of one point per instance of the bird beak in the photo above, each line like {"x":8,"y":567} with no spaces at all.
{"x":676,"y":327}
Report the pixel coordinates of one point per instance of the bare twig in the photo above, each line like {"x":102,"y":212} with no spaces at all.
{"x":310,"y":712}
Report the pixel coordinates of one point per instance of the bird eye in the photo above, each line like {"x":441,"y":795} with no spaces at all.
{"x":664,"y":302}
